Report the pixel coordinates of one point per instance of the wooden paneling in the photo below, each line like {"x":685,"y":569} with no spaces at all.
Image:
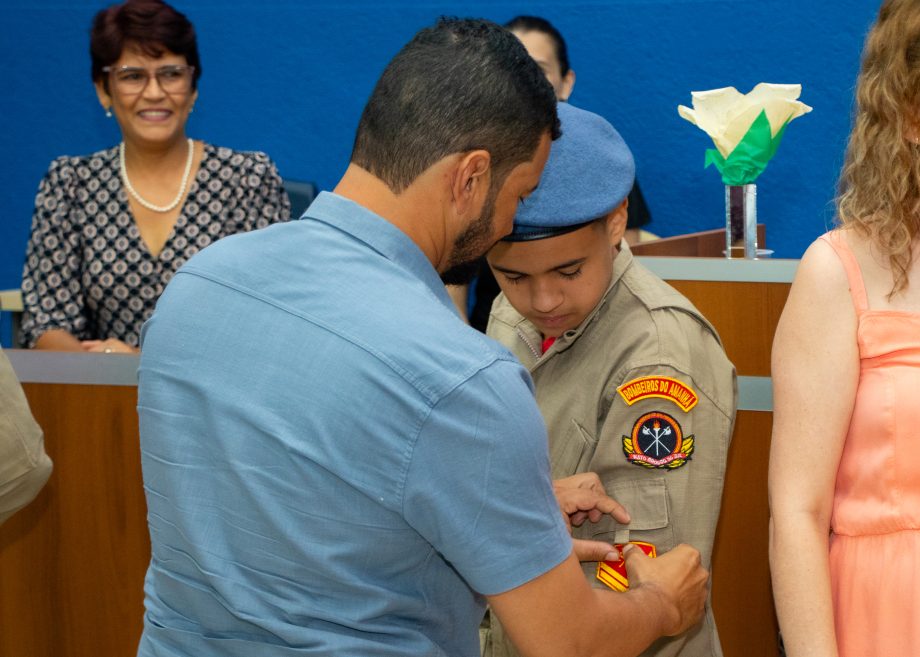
{"x":706,"y":244}
{"x":744,"y":314}
{"x":72,"y":563}
{"x":742,"y":599}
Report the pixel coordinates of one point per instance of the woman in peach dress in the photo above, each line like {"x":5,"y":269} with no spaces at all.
{"x":845,"y":455}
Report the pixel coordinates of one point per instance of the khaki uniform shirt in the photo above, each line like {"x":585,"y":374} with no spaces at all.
{"x":643,"y":394}
{"x":24,"y":466}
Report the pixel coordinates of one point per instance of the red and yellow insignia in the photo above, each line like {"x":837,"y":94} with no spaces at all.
{"x":662,"y":387}
{"x":657,"y":442}
{"x":613,"y":573}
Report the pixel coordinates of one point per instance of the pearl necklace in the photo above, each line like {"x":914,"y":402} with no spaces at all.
{"x":148,"y":204}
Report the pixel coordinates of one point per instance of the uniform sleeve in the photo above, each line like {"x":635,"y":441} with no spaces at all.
{"x":662,"y":452}
{"x":478,"y":487}
{"x":51,"y":287}
{"x":24,"y":466}
{"x":268,"y":203}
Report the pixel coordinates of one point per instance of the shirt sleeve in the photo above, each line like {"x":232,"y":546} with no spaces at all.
{"x":268,"y":203}
{"x":664,"y":454}
{"x":51,"y":287}
{"x":24,"y":466}
{"x":478,"y":487}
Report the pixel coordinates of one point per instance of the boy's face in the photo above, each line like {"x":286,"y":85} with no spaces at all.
{"x":556,"y":282}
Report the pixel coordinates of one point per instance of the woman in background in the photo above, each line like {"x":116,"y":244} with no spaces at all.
{"x":544,"y":43}
{"x":844,"y":467}
{"x":110,"y":229}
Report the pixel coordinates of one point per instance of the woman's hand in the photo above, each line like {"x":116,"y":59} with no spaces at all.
{"x":109,"y":346}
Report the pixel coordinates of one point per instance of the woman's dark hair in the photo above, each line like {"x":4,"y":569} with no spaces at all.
{"x":152,"y":26}
{"x":537,"y":24}
{"x":458,"y":86}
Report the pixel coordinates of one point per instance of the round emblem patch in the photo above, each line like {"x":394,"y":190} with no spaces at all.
{"x":657,"y":442}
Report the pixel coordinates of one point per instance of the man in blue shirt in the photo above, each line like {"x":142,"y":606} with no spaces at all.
{"x":334,"y":463}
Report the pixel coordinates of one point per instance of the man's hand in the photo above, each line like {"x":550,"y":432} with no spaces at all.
{"x":582,"y":497}
{"x":680,"y":581}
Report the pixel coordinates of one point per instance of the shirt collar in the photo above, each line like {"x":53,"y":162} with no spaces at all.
{"x":379,"y":234}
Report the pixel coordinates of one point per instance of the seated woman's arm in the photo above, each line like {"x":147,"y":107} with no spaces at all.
{"x":52,"y":296}
{"x":58,"y":340}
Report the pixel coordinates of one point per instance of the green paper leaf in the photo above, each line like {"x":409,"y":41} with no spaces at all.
{"x":713,"y":156}
{"x":752,"y":154}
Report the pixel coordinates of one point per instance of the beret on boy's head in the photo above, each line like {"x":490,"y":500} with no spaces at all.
{"x":589,"y":172}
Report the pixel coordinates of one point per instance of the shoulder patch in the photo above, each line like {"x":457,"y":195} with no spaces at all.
{"x":663,"y":387}
{"x":657,"y":441}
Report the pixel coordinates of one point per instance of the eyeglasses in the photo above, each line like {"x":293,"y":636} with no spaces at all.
{"x":130,"y":80}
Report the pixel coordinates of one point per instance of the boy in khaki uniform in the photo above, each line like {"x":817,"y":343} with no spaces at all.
{"x":631,"y":379}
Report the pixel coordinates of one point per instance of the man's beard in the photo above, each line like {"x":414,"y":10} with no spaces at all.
{"x":470,"y":246}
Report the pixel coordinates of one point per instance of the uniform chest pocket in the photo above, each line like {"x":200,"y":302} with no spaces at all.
{"x":573,"y":453}
{"x":647,"y":502}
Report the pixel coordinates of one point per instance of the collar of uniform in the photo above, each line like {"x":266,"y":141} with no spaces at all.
{"x":379,"y":234}
{"x":620,"y":264}
{"x":506,"y":312}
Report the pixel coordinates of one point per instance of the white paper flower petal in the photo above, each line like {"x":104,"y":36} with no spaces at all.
{"x":712,"y":107}
{"x":726,"y":115}
{"x":734,"y":131}
{"x":780,"y":101}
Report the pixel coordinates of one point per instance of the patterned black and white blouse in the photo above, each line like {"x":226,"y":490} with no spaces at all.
{"x":87,"y":269}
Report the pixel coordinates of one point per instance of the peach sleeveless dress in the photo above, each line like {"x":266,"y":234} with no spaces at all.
{"x":875,"y":541}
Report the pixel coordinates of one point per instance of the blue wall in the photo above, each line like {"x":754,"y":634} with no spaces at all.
{"x":291,"y":78}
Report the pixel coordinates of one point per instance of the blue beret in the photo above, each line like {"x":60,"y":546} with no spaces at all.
{"x":589,"y":172}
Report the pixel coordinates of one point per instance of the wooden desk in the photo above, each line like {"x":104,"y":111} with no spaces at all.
{"x":705,"y":244}
{"x":743,"y":299}
{"x":72,"y":564}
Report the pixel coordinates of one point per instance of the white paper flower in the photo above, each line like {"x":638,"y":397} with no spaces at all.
{"x":745,"y":128}
{"x":726,"y":115}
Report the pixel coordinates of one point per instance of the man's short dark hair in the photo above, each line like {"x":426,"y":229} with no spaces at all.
{"x":461,"y":85}
{"x":537,"y":24}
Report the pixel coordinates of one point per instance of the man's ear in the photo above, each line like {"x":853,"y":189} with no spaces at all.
{"x":616,"y":223}
{"x":470,"y":183}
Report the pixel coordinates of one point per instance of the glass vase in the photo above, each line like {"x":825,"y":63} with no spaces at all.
{"x":741,"y":221}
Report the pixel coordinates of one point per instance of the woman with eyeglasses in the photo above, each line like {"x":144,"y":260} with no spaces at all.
{"x":110,"y":229}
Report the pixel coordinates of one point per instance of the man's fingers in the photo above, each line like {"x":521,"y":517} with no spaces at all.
{"x":573,"y":500}
{"x":588,"y":480}
{"x":635,"y":560}
{"x":582,"y":497}
{"x":593,"y":550}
